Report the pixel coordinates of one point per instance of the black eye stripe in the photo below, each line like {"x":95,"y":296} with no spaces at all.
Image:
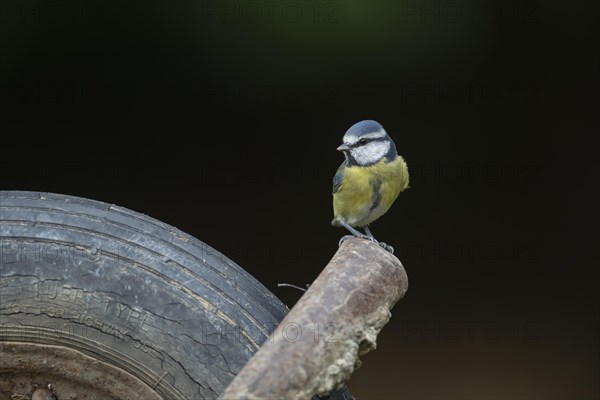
{"x":369,"y":140}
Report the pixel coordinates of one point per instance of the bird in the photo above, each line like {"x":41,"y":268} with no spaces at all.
{"x":368,"y":181}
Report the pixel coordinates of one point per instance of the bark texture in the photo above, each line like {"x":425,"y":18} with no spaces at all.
{"x":316,"y":347}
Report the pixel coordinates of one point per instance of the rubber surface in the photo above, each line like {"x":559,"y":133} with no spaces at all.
{"x":129,"y":290}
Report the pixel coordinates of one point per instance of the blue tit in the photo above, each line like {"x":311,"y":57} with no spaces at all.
{"x":369,"y":180}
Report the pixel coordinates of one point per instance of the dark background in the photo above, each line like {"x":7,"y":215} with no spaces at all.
{"x":222,"y":119}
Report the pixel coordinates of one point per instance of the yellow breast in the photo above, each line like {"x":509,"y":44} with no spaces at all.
{"x":366,"y":193}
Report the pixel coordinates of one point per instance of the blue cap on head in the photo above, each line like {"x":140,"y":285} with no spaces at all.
{"x":365,"y":141}
{"x":364,"y":127}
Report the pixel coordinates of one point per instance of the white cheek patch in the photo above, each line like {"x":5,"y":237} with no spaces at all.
{"x":370,"y":153}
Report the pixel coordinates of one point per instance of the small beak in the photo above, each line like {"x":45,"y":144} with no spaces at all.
{"x":343,"y":147}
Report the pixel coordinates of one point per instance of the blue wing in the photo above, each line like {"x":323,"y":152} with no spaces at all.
{"x":339,"y":177}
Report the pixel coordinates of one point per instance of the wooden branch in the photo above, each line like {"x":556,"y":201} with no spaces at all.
{"x":316,"y":347}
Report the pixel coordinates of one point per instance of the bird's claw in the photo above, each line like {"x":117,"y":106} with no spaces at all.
{"x":381,"y":244}
{"x":371,"y":239}
{"x":346,"y":237}
{"x":386,"y":247}
{"x":343,"y":239}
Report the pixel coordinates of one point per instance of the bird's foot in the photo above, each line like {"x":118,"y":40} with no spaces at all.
{"x":346,"y":237}
{"x":386,"y":247}
{"x":380,"y":244}
{"x":367,"y":236}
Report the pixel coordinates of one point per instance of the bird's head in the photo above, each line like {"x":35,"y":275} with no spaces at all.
{"x":366,"y":143}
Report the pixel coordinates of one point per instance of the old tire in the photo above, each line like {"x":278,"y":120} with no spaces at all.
{"x":129,"y":291}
